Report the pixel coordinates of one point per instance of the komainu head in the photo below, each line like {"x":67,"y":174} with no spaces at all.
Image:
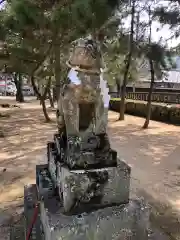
{"x":86,"y":56}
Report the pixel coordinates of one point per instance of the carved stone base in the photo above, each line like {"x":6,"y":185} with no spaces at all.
{"x":95,"y":188}
{"x":92,"y":152}
{"x":129,"y":221}
{"x":89,"y":152}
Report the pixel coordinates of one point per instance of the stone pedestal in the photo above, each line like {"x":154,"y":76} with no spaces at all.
{"x":129,"y":221}
{"x":95,"y":187}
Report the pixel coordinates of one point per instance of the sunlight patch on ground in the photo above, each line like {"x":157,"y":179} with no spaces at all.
{"x":7,"y":155}
{"x":14,"y":191}
{"x":158,"y":152}
{"x":176,"y":205}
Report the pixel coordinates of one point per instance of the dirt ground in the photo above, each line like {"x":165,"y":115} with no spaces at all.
{"x":153,"y":155}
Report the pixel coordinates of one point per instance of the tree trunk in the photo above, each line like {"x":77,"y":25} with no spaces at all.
{"x":18,"y":83}
{"x":50,"y":98}
{"x":57,"y":70}
{"x":42,"y":97}
{"x":148,"y":113}
{"x":128,"y":63}
{"x":122,"y":102}
{"x":36,"y":90}
{"x":151,"y":65}
{"x":54,"y":94}
{"x":47,"y":118}
{"x":118,"y":88}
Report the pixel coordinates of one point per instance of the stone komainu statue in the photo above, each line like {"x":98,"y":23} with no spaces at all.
{"x":82,"y":111}
{"x":82,"y":121}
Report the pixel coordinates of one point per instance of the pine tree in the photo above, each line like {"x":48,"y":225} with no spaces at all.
{"x":36,"y":31}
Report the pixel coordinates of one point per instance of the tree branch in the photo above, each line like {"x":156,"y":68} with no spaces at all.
{"x":35,"y":87}
{"x":46,"y":88}
{"x":2,"y":1}
{"x":42,"y":60}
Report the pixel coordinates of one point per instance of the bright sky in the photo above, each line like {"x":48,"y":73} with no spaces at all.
{"x":164,"y":33}
{"x":2,"y":4}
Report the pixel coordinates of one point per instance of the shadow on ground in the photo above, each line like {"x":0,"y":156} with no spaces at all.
{"x":24,"y":145}
{"x":153,"y":155}
{"x":162,"y":216}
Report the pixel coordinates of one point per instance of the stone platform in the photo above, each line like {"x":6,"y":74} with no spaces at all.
{"x":30,"y":198}
{"x":101,"y":186}
{"x":124,"y":222}
{"x":112,"y":186}
{"x":128,"y":221}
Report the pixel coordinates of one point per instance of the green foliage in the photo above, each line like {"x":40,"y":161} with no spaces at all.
{"x":30,"y":26}
{"x":170,"y":15}
{"x":89,"y":13}
{"x":167,"y":16}
{"x":116,"y":68}
{"x":116,"y":53}
{"x":115,"y":58}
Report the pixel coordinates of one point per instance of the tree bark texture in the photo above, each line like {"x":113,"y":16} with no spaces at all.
{"x":128,"y":63}
{"x":47,"y":118}
{"x":42,"y":97}
{"x":50,"y":98}
{"x":148,"y":113}
{"x":19,"y":83}
{"x":57,"y":70}
{"x":151,"y":65}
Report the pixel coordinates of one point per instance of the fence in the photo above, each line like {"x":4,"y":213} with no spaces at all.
{"x":165,"y":97}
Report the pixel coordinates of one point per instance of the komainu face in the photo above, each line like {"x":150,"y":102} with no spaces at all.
{"x":86,"y":56}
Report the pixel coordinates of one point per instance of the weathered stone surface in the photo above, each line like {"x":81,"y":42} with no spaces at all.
{"x":86,"y":56}
{"x":30,"y":201}
{"x":44,"y":181}
{"x":103,"y":187}
{"x":93,"y":152}
{"x":83,"y":107}
{"x":128,"y":222}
